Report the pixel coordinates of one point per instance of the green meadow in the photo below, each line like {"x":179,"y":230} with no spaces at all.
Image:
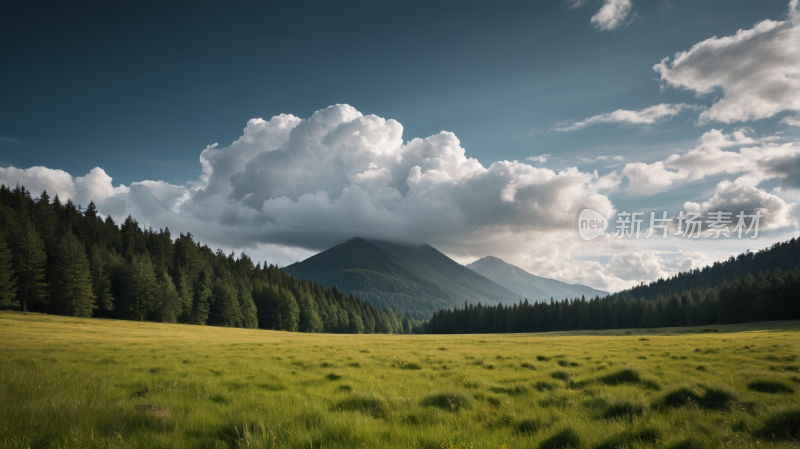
{"x":70,"y":382}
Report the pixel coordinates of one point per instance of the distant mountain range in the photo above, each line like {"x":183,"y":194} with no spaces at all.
{"x":416,"y":280}
{"x":535,"y":288}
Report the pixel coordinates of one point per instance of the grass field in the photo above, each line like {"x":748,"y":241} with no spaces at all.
{"x":67,"y":382}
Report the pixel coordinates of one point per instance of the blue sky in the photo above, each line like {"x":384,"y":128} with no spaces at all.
{"x":141,"y":89}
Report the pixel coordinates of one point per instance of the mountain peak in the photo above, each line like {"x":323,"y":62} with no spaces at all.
{"x":535,"y":288}
{"x":417,"y":280}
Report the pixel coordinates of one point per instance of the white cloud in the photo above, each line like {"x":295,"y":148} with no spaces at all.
{"x":766,"y":161}
{"x":541,"y":158}
{"x":757,"y":70}
{"x":612,"y":15}
{"x":736,"y":197}
{"x":635,"y":265}
{"x":647,"y":116}
{"x":791,"y":120}
{"x":572,"y":4}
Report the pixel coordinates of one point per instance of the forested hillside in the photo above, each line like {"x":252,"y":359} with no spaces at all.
{"x":63,"y":259}
{"x":783,"y":256}
{"x":751,"y":287}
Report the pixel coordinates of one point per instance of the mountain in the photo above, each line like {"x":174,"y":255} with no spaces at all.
{"x":417,"y":280}
{"x":535,"y":288}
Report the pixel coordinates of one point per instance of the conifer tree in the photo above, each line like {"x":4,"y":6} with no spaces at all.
{"x":30,"y":268}
{"x":247,"y":306}
{"x":101,"y":284}
{"x":72,"y":284}
{"x":309,"y":316}
{"x":167,"y":302}
{"x":287,"y":311}
{"x":8,"y":280}
{"x":139,"y":288}
{"x":201,"y":300}
{"x":225,"y":308}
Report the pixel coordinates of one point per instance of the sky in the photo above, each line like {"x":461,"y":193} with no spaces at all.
{"x":479,"y":128}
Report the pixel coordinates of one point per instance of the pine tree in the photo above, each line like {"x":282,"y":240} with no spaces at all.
{"x":30,"y":267}
{"x":201,"y":300}
{"x":225,"y":309}
{"x":72,"y":284}
{"x":309,"y":316}
{"x":167,"y":302}
{"x":287,"y":311}
{"x":101,"y":284}
{"x":247,"y":306}
{"x":7,"y":278}
{"x":355,"y":322}
{"x":139,"y":288}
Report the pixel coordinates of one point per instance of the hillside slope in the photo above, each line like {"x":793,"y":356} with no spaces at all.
{"x":535,"y":288}
{"x":413,"y":280}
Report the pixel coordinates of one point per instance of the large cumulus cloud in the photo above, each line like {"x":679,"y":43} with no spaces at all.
{"x":340,"y":174}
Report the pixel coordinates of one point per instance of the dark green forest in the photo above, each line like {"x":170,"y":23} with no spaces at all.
{"x":752,"y":287}
{"x":64,"y":259}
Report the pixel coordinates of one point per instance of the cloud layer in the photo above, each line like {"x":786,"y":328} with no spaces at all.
{"x":757,"y":71}
{"x":648,"y":116}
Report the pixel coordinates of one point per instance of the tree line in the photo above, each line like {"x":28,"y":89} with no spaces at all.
{"x":696,"y":298}
{"x":63,"y":259}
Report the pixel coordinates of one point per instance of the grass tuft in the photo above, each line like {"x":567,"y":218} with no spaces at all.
{"x":681,"y":397}
{"x":511,"y":390}
{"x":770,"y":386}
{"x":543,"y":385}
{"x":624,"y":376}
{"x":718,"y":397}
{"x":529,"y":426}
{"x":632,"y":438}
{"x":272,"y":386}
{"x":784,"y":425}
{"x":370,"y":405}
{"x":625,"y":409}
{"x":410,"y":365}
{"x":446,"y":401}
{"x":566,"y":438}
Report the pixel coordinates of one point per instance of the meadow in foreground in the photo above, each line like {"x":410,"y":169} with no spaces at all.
{"x":68,"y":382}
